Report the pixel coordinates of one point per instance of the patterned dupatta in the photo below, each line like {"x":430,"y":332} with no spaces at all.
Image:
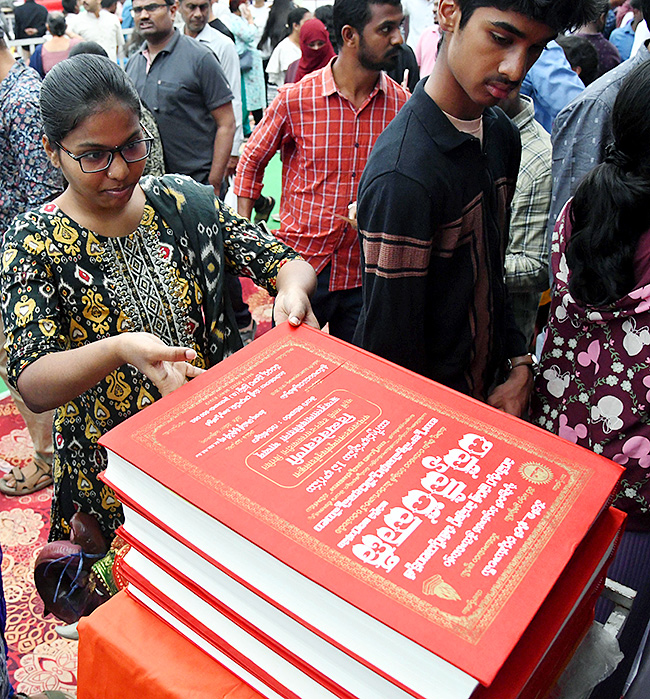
{"x":594,"y":384}
{"x":197,"y":229}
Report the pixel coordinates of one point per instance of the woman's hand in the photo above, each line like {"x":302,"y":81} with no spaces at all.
{"x":246,"y":13}
{"x":296,"y":283}
{"x":58,"y":377}
{"x":166,"y":367}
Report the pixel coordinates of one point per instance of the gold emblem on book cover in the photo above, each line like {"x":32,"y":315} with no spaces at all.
{"x":436,"y":586}
{"x":535,"y":472}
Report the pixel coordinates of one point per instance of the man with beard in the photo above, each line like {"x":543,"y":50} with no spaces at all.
{"x":325,"y":126}
{"x":434,"y":204}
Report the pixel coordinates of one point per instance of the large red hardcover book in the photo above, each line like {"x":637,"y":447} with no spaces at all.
{"x":538,"y":657}
{"x":563,"y":619}
{"x":443,"y":519}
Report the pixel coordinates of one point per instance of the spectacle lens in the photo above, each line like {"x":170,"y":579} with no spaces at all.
{"x":100,"y":160}
{"x":147,"y":8}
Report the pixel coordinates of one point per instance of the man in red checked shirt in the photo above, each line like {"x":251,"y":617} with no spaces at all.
{"x":325,"y":127}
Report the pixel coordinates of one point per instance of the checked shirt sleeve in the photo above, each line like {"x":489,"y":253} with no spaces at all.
{"x":527,"y":257}
{"x":260,"y":148}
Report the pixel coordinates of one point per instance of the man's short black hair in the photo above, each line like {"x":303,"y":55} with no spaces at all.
{"x":580,"y":53}
{"x":559,"y":15}
{"x":356,"y":13}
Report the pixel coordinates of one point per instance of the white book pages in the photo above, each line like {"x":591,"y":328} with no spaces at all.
{"x":353,"y":676}
{"x":382,"y":647}
{"x":220,"y":657}
{"x":264,"y":658}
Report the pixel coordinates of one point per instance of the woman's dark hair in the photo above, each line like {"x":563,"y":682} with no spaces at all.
{"x":78,"y":87}
{"x":295,"y":17}
{"x":276,"y":24}
{"x":326,"y":15}
{"x":56,"y":23}
{"x":611,"y":207}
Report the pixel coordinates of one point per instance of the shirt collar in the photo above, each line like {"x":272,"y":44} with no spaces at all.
{"x":527,"y":113}
{"x":206,"y":34}
{"x":169,"y":47}
{"x":328,"y":85}
{"x":440,"y":129}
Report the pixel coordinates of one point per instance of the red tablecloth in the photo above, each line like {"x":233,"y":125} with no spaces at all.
{"x":126,"y":651}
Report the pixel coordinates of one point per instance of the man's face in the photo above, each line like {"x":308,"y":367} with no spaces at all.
{"x":92,"y":6}
{"x":195,"y":14}
{"x":154,"y":19}
{"x":380,"y":40}
{"x":489,"y":57}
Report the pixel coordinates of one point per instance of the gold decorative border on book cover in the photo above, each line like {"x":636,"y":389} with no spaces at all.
{"x":481,"y":610}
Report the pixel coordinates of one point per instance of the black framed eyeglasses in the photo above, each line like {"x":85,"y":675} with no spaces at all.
{"x":149,"y":9}
{"x":98,"y":160}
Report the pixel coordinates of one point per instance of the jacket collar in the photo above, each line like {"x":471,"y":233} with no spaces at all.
{"x":442,"y":132}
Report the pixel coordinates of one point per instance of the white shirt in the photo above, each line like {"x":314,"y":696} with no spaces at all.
{"x":641,"y":35}
{"x":71,"y":22}
{"x":220,"y":9}
{"x":225,"y":51}
{"x":420,"y":14}
{"x":106,"y":30}
{"x":260,"y":15}
{"x":284,"y":54}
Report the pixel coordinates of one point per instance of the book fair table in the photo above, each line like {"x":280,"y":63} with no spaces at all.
{"x":126,"y":651}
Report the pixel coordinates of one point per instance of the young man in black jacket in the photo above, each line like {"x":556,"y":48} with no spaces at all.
{"x":434,"y":201}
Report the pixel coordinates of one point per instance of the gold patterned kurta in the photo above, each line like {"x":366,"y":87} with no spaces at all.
{"x":65,"y":286}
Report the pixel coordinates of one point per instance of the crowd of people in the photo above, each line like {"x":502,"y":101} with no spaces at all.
{"x":417,"y":217}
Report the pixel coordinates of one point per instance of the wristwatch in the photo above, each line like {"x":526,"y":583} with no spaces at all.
{"x":524,"y":360}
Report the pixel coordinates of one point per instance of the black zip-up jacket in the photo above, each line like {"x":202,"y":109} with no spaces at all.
{"x":433,"y":214}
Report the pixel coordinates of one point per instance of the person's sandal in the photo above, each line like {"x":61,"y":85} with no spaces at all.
{"x":25,"y":485}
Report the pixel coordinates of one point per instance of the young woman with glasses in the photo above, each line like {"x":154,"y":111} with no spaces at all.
{"x":113,"y":293}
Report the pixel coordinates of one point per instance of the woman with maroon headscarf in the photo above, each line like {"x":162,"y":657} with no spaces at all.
{"x":316,"y":49}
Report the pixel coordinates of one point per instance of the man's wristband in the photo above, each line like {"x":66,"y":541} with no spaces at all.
{"x":529,"y":360}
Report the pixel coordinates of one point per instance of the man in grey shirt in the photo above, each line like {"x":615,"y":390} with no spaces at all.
{"x":583,"y":129}
{"x":183,"y":85}
{"x":195,"y":14}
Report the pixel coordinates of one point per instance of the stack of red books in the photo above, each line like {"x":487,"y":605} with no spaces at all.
{"x":327,"y":524}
